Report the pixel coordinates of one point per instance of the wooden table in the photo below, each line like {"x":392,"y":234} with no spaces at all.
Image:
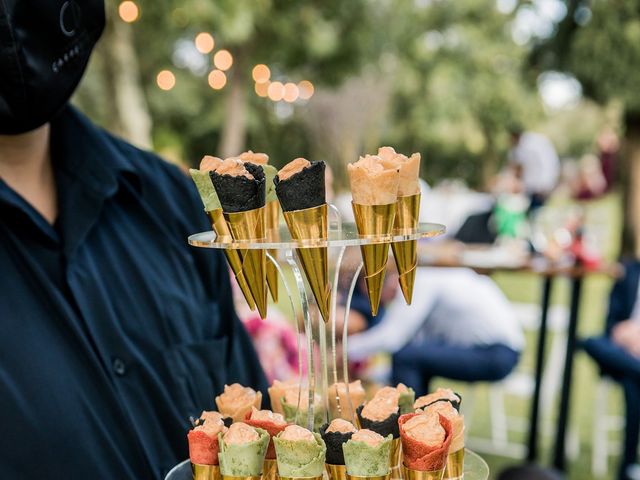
{"x":529,"y":264}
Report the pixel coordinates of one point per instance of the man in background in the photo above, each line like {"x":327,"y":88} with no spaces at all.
{"x":114,"y":330}
{"x":534,"y":162}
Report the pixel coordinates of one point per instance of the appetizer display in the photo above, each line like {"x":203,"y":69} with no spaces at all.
{"x":343,"y":401}
{"x":300,"y":453}
{"x":272,"y":213}
{"x":367,"y":454}
{"x":455,"y":458}
{"x":407,"y":214}
{"x":335,"y":435}
{"x":374,"y":189}
{"x":236,"y":401}
{"x":300,"y":187}
{"x":426,"y":438}
{"x":212,"y":207}
{"x":203,"y":446}
{"x":242,"y":451}
{"x":241,"y":188}
{"x":273,"y":424}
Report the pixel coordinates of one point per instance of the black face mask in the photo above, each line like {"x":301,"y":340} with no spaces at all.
{"x":44,"y":49}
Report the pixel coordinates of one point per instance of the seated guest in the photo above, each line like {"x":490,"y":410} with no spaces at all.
{"x":618,"y":354}
{"x":460,"y":326}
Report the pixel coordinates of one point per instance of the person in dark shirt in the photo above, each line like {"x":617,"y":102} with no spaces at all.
{"x":114,"y":330}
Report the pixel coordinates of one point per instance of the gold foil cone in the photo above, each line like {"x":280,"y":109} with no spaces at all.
{"x":251,"y":477}
{"x":336,"y":472}
{"x":273,"y":218}
{"x":311,"y":224}
{"x":455,"y":465}
{"x":408,"y":474}
{"x":374,"y":220}
{"x":233,"y":256}
{"x":251,"y":225}
{"x":270,"y":469}
{"x":406,"y":253}
{"x":319,"y":477}
{"x":375,"y":477}
{"x":205,"y":472}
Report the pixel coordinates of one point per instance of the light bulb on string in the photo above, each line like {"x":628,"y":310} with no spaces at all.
{"x":276,"y":91}
{"x":166,"y":80}
{"x":204,"y":42}
{"x":128,"y":11}
{"x":223,"y":60}
{"x":306,"y":89}
{"x":217,"y":79}
{"x":261,"y":73}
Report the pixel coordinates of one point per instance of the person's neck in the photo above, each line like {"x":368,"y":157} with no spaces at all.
{"x":25,"y":166}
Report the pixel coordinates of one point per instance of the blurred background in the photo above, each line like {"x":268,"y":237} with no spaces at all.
{"x":334,"y":79}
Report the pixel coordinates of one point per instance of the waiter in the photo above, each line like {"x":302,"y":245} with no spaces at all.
{"x":113,"y":331}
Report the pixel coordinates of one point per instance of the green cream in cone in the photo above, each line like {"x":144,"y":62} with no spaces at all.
{"x":205,"y":189}
{"x":405,"y":402}
{"x":290,"y":410}
{"x":243,"y":460}
{"x":300,"y":458}
{"x":364,"y":460}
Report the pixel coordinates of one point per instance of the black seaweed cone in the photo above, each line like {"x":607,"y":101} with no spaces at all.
{"x":305,"y":189}
{"x":455,"y":403}
{"x":334,"y":441}
{"x":239,"y":194}
{"x":387,"y":426}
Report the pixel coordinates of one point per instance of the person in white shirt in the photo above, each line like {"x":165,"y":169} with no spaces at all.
{"x":459,"y":326}
{"x":535,"y":163}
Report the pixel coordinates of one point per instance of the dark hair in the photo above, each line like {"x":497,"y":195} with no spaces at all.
{"x":529,"y":472}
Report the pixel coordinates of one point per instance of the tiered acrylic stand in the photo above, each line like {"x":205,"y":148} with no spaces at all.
{"x":322,"y":362}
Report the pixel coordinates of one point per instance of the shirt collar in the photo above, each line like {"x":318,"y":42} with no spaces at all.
{"x":89,"y":154}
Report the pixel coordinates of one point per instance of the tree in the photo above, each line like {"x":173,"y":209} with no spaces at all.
{"x":599,"y":43}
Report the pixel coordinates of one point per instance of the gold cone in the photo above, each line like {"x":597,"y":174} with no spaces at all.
{"x":233,"y":256}
{"x":408,"y":474}
{"x":374,"y":477}
{"x":270,"y":469}
{"x":273,"y":218}
{"x":455,"y":465}
{"x":205,"y":472}
{"x":336,"y":472}
{"x":310,"y":224}
{"x":251,"y":225}
{"x":374,"y":220}
{"x":405,"y":253}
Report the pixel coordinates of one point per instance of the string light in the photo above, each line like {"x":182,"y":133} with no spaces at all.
{"x":223,"y":60}
{"x":128,"y":11}
{"x":291,"y":92}
{"x":217,"y":79}
{"x":261,"y":73}
{"x":276,"y":91}
{"x":204,"y":42}
{"x":262,"y":89}
{"x":166,"y":80}
{"x":306,"y":89}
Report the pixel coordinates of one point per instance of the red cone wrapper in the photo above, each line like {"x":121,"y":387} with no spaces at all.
{"x":417,"y":455}
{"x":203,"y":449}
{"x":271,"y":428}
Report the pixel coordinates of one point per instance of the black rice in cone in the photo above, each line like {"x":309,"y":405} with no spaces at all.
{"x":304,"y":189}
{"x":334,"y":442}
{"x":238,"y":193}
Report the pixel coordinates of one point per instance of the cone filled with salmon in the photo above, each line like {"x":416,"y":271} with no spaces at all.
{"x":407,"y":214}
{"x":455,"y":458}
{"x":335,"y":435}
{"x":440,"y":395}
{"x":374,"y":189}
{"x":242,"y":452}
{"x":272,"y":208}
{"x":367,"y":456}
{"x":273,"y":424}
{"x":426,"y":438}
{"x":300,"y":187}
{"x":236,"y":401}
{"x":300,"y":454}
{"x":204,"y":446}
{"x":209,"y":197}
{"x":241,"y":189}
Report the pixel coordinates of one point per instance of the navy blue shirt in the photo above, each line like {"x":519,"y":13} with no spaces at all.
{"x":113,"y":330}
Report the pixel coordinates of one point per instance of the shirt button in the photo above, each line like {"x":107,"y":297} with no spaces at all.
{"x":119,"y":367}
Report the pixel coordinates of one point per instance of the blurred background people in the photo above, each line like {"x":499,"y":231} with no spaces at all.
{"x":617,"y":353}
{"x":534,"y":161}
{"x":459,"y":326}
